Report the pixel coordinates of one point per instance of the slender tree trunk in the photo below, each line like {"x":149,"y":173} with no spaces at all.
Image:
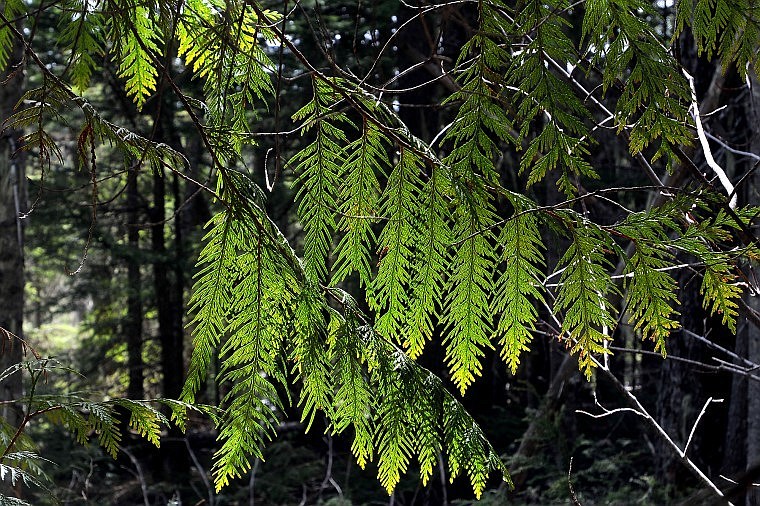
{"x":753,"y":340}
{"x":679,"y":391}
{"x":169,"y":310}
{"x":12,"y":201}
{"x":168,"y":284}
{"x":170,"y":331}
{"x":134,"y":321}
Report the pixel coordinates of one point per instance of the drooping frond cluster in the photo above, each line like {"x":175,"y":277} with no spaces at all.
{"x":388,"y":290}
{"x":730,"y":29}
{"x":652,"y":102}
{"x":433,"y":236}
{"x":254,"y":311}
{"x":82,"y":417}
{"x":359,"y":197}
{"x":221,"y":42}
{"x":651,"y":290}
{"x":11,"y":9}
{"x":319,"y":166}
{"x":429,"y":241}
{"x":582,"y":295}
{"x":539,"y":92}
{"x":519,"y":286}
{"x":82,"y":34}
{"x":138,"y":37}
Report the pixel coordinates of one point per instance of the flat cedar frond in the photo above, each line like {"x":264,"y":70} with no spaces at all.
{"x":366,"y":158}
{"x":242,"y":293}
{"x":145,"y":419}
{"x":519,"y":285}
{"x":721,"y":288}
{"x":211,"y":298}
{"x":471,"y":453}
{"x":310,"y":354}
{"x":388,"y":293}
{"x":102,"y":419}
{"x":582,"y":294}
{"x":482,"y":116}
{"x":426,"y":410}
{"x":408,"y":426}
{"x":354,"y":397}
{"x":14,"y":475}
{"x":650,"y":289}
{"x":11,"y":9}
{"x":221,"y":44}
{"x":179,"y":411}
{"x":139,"y":43}
{"x":248,"y":423}
{"x":432,"y":238}
{"x":319,"y":166}
{"x":395,"y":439}
{"x":654,"y":98}
{"x":727,"y":28}
{"x":536,"y":90}
{"x":82,"y":34}
{"x":651,"y":292}
{"x":467,"y":317}
{"x":251,"y":357}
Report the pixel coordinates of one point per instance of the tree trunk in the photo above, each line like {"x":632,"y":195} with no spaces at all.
{"x":169,"y":310}
{"x":12,"y":201}
{"x":168,"y":284}
{"x":680,"y":393}
{"x":753,"y":333}
{"x":134,"y":321}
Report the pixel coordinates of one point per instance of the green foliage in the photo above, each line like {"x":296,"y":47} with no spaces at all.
{"x":347,"y":370}
{"x":244,"y":293}
{"x":11,"y":9}
{"x":388,"y":292}
{"x":319,"y":165}
{"x":563,"y":142}
{"x":651,"y":290}
{"x":432,"y":237}
{"x":582,"y":295}
{"x":20,"y":462}
{"x":439,"y":247}
{"x":729,"y":28}
{"x":467,"y":315}
{"x":519,"y":287}
{"x":482,"y":115}
{"x":220,"y":42}
{"x":653,"y":100}
{"x":82,"y":35}
{"x":138,"y":38}
{"x":721,"y":288}
{"x":359,"y":197}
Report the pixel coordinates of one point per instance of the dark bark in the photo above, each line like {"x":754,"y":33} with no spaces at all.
{"x":12,"y":202}
{"x":679,"y":395}
{"x":168,"y":288}
{"x":168,"y":306}
{"x":170,"y":332}
{"x":134,"y":320}
{"x":753,"y":334}
{"x":534,"y":436}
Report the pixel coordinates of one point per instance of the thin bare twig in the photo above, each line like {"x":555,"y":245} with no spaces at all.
{"x":696,"y":422}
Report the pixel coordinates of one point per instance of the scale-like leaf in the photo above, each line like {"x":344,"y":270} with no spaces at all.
{"x":519,"y":286}
{"x":582,"y":295}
